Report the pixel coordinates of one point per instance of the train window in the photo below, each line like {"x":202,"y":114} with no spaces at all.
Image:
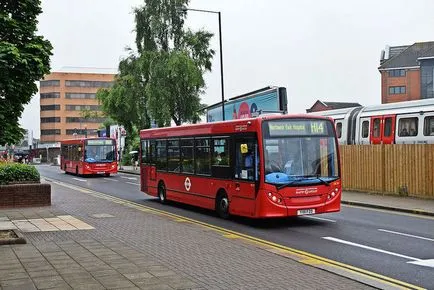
{"x":339,"y":129}
{"x":376,"y":131}
{"x":388,"y":127}
{"x":407,"y":127}
{"x":365,"y":129}
{"x":429,"y":126}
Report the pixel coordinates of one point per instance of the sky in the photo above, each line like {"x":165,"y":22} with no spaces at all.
{"x":319,"y":50}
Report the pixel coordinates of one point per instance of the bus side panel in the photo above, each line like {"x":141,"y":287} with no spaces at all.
{"x":194,"y":190}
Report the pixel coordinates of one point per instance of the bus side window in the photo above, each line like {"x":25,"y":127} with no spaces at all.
{"x":246,"y":159}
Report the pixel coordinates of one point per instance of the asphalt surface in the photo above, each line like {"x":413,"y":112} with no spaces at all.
{"x":384,"y":242}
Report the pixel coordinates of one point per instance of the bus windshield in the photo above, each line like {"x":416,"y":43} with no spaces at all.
{"x":100,"y":151}
{"x":300,"y":151}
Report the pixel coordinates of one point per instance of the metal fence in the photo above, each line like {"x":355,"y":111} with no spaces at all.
{"x":401,"y":169}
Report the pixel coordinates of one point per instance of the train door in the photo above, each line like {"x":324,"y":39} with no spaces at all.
{"x":382,"y":129}
{"x":388,"y":129}
{"x":363,"y":133}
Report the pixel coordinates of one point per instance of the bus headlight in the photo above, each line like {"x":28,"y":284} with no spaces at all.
{"x":275,"y":197}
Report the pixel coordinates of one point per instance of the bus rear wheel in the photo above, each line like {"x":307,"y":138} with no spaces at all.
{"x":222,"y":205}
{"x":162,"y":193}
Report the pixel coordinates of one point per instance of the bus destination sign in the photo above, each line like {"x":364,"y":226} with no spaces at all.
{"x":297,"y":127}
{"x":100,"y":142}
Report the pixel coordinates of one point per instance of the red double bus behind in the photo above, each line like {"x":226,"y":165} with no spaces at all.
{"x":270,"y":166}
{"x":89,"y":156}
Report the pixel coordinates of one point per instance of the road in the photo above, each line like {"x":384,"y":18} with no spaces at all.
{"x":397,"y":245}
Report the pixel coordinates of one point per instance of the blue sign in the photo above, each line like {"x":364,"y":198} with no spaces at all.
{"x":248,"y":106}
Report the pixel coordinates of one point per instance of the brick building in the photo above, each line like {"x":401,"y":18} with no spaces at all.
{"x":324,"y":106}
{"x":65,"y":97}
{"x":407,"y":72}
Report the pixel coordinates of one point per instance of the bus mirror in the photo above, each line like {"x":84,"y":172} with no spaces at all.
{"x":243,"y":148}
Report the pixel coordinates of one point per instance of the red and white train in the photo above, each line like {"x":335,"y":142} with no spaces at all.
{"x":409,"y":122}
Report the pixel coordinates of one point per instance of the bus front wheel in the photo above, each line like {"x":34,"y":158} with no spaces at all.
{"x":162,"y":193}
{"x":222,"y":205}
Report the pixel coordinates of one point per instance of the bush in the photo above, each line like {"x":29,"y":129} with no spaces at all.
{"x":11,"y":173}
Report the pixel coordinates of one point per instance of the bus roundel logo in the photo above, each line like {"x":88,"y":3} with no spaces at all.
{"x":187,"y":184}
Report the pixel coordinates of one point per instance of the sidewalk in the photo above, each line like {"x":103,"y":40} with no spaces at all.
{"x":397,"y":203}
{"x":86,"y":240}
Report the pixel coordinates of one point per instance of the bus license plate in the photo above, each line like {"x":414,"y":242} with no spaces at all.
{"x":305,"y":211}
{"x":100,"y":172}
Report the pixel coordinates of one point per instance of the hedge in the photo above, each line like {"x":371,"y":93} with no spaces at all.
{"x":12,"y":173}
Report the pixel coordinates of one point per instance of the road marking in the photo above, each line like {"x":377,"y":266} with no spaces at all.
{"x":79,"y":179}
{"x":370,"y":248}
{"x":133,"y":183}
{"x":426,"y":263}
{"x":319,"y":218}
{"x":130,"y":178}
{"x":363,"y":276}
{"x":407,"y":235}
{"x":420,"y":216}
{"x":111,"y":179}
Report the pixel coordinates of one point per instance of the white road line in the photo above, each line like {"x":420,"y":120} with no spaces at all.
{"x":370,"y":248}
{"x":318,"y":218}
{"x":407,"y":235}
{"x":111,"y":179}
{"x":130,"y":178}
{"x":132,"y":183}
{"x":79,"y":179}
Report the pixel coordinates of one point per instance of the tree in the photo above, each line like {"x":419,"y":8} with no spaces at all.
{"x":24,"y":59}
{"x":163,"y":79}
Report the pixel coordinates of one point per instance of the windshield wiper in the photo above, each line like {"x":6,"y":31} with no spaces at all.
{"x":289,"y":183}
{"x":317,"y":176}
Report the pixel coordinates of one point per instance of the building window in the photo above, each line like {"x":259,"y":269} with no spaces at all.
{"x":50,"y":107}
{"x":50,"y":120}
{"x":84,"y":120}
{"x":82,"y":107}
{"x":365,"y":129}
{"x":80,"y":131}
{"x":88,"y":84}
{"x":50,"y":132}
{"x":80,"y":96}
{"x":397,"y":73}
{"x":51,"y":83}
{"x":407,"y":127}
{"x":429,"y":126}
{"x":50,"y":95}
{"x":427,"y":79}
{"x":397,"y":90}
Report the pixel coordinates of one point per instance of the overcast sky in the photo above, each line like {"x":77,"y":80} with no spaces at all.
{"x":327,"y":50}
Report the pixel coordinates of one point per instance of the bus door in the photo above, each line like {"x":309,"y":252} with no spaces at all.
{"x":246,"y":174}
{"x":382,"y":129}
{"x":147,"y":168}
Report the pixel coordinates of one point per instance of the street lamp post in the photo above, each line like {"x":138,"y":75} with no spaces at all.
{"x":221,"y":52}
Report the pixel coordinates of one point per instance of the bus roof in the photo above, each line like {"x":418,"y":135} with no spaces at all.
{"x":81,"y":140}
{"x":221,"y":127}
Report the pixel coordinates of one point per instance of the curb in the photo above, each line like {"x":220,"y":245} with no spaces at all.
{"x":413,"y":211}
{"x":18,"y":240}
{"x":129,"y":172}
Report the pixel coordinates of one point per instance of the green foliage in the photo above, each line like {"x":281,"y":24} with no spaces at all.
{"x":24,"y":59}
{"x":163,"y":80}
{"x":17,"y":173}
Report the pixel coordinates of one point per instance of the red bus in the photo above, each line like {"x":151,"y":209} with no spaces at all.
{"x":270,"y":166}
{"x":89,"y":156}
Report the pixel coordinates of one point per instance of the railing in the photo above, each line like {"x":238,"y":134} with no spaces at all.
{"x":403,"y":169}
